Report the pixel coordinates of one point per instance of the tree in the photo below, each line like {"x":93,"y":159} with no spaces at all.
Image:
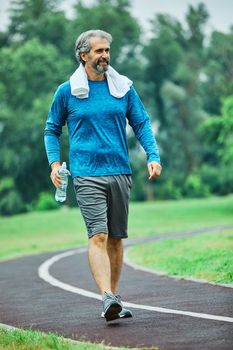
{"x":196,"y":20}
{"x":226,"y":134}
{"x":28,"y":75}
{"x":218,"y":71}
{"x":40,"y":19}
{"x":175,"y":59}
{"x":24,"y":15}
{"x":163,"y":54}
{"x":217,"y":132}
{"x":30,"y":70}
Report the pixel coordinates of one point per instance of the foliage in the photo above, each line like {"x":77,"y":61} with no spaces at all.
{"x":10,"y":199}
{"x":11,"y":203}
{"x":182,"y":78}
{"x":168,"y":190}
{"x":226,"y":133}
{"x":218,"y":70}
{"x":29,"y":71}
{"x":46,"y":201}
{"x":218,"y":133}
{"x":194,"y":188}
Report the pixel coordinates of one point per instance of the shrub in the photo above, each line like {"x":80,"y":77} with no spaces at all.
{"x":195,"y":188}
{"x":46,"y":201}
{"x":168,"y":190}
{"x":10,"y":199}
{"x":11,"y":203}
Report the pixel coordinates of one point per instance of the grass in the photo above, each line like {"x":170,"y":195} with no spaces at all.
{"x":64,"y":228}
{"x":151,"y":218}
{"x":53,"y":230}
{"x":206,"y":256}
{"x":32,"y":340}
{"x":41,"y":232}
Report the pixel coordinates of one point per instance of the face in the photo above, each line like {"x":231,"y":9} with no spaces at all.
{"x":98,"y":57}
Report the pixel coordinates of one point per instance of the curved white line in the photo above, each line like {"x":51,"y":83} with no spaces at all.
{"x":45,"y":275}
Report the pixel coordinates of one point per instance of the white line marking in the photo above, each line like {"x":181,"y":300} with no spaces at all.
{"x":43,"y":272}
{"x":45,"y":275}
{"x":7,"y":327}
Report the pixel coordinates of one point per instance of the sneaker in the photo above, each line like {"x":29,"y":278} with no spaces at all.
{"x":111,"y":306}
{"x":124,"y":313}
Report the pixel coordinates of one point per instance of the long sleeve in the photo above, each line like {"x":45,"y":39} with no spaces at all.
{"x":140,"y":122}
{"x":53,"y":129}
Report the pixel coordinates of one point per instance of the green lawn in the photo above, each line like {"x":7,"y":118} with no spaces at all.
{"x":40,"y":232}
{"x":32,"y":340}
{"x":47,"y":231}
{"x":206,"y":256}
{"x":152,"y":218}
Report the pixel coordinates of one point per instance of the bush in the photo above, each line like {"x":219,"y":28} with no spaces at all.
{"x":219,"y":178}
{"x":46,"y":201}
{"x":210,"y":175}
{"x":10,"y":199}
{"x":6,"y":184}
{"x":11,"y":203}
{"x":168,"y":190}
{"x":195,"y":188}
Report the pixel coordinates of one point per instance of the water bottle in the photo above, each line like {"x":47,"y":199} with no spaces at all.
{"x":60,"y":194}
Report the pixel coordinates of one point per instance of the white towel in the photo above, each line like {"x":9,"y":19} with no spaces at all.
{"x":118,"y":84}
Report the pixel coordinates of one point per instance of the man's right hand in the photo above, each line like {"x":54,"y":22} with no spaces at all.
{"x":55,"y":177}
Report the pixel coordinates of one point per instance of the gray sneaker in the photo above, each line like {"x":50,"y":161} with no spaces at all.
{"x":111,"y":306}
{"x":124,"y":313}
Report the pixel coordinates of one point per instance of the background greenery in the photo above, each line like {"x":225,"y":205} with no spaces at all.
{"x":183,"y":77}
{"x":64,"y":228}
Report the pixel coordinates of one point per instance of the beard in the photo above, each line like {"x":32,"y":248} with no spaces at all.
{"x":99,"y":67}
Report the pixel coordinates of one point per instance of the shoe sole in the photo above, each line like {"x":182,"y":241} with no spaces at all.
{"x":112,"y":313}
{"x":120,"y":316}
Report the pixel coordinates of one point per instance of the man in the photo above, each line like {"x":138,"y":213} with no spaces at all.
{"x":96,"y":103}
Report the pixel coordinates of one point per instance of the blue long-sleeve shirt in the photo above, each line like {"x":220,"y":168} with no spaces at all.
{"x":97,"y":130}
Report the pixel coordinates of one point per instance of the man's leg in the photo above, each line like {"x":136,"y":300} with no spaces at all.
{"x":118,"y":200}
{"x":115,"y":253}
{"x":101,"y":270}
{"x":99,"y":262}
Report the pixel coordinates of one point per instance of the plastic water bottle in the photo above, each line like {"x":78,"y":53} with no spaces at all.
{"x":60,"y":194}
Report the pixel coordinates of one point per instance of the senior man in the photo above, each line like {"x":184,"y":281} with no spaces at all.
{"x":96,"y":104}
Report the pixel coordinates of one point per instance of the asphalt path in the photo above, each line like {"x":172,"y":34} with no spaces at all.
{"x":56,"y":292}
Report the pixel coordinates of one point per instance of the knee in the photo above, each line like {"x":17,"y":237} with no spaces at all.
{"x":99,"y":239}
{"x":114,"y":242}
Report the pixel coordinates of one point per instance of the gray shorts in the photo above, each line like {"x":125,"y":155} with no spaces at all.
{"x":104,"y":201}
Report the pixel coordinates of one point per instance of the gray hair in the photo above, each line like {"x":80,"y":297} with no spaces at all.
{"x":82,"y":44}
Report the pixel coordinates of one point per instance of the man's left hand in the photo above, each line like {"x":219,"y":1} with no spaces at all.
{"x":154,"y":169}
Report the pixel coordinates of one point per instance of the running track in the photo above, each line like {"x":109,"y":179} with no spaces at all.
{"x":55,"y":292}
